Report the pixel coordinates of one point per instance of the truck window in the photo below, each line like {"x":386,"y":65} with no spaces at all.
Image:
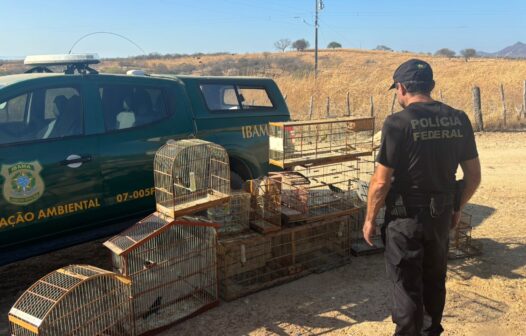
{"x":41,"y":114}
{"x":127,"y":106}
{"x":223,"y":97}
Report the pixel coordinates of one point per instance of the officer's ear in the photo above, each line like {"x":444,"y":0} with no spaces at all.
{"x":402,"y":90}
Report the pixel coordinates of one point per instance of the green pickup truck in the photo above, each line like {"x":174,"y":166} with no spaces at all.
{"x":77,"y":148}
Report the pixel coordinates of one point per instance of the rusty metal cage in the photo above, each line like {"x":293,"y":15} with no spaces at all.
{"x":74,"y":300}
{"x":265,"y":204}
{"x":251,"y":262}
{"x":460,"y":243}
{"x":298,"y":143}
{"x":173,"y":268}
{"x":313,"y":193}
{"x":190,"y":175}
{"x":233,"y":216}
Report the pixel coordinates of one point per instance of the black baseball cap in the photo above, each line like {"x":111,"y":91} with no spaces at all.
{"x":413,"y":71}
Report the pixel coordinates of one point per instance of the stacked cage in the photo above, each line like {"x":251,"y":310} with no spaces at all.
{"x":234,"y":216}
{"x":190,"y":176}
{"x":252,"y":262}
{"x":299,"y":143}
{"x":74,"y":300}
{"x":460,"y":242}
{"x":172,"y":267}
{"x":265,"y":201}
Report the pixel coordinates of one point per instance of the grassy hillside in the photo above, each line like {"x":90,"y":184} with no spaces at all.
{"x":361,"y":73}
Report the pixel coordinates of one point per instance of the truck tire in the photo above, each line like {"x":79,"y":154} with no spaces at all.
{"x":236,"y":181}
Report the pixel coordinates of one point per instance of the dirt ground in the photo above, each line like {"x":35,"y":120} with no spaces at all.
{"x":486,"y":294}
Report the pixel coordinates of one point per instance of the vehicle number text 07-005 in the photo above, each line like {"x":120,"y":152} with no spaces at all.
{"x":133,"y":195}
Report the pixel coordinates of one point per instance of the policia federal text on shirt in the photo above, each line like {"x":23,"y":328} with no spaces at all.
{"x":420,"y":151}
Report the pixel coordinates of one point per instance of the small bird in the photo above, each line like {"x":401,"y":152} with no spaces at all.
{"x":335,"y":188}
{"x":154,"y":308}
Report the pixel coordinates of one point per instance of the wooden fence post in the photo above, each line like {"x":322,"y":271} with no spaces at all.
{"x":502,"y":97}
{"x":523,"y":114}
{"x":311,"y":107}
{"x":441,"y":96}
{"x":372,"y":106}
{"x":348,"y":104}
{"x":477,"y":109}
{"x":328,"y":107}
{"x":393,"y":103}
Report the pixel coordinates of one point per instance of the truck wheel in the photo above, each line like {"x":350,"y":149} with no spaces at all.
{"x":236,"y":181}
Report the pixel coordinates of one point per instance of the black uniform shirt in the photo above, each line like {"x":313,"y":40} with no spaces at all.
{"x":424,"y":144}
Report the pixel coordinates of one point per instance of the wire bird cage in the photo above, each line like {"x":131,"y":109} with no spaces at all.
{"x":460,"y":242}
{"x":190,"y":175}
{"x":265,"y":204}
{"x":313,"y":193}
{"x":233,"y":216}
{"x":74,"y":300}
{"x":172,"y":265}
{"x":299,"y":143}
{"x":252,"y":262}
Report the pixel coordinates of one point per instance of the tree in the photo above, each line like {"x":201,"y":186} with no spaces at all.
{"x":282,"y":44}
{"x":334,"y":45}
{"x":445,"y":52}
{"x":300,"y":45}
{"x":382,"y":47}
{"x":468,"y":53}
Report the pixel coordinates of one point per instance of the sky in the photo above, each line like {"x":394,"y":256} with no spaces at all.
{"x":242,"y":26}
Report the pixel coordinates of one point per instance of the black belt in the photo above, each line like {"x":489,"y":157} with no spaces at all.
{"x":424,"y":199}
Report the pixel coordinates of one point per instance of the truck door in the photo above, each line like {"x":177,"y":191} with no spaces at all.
{"x":50,"y":175}
{"x":140,"y":115}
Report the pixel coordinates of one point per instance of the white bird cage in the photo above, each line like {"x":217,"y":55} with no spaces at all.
{"x":74,"y":300}
{"x":173,"y":268}
{"x":190,"y":176}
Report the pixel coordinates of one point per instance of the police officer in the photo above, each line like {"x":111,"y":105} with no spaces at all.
{"x":420,"y":151}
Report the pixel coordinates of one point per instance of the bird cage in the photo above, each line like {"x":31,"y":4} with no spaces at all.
{"x":460,"y":242}
{"x":172,"y":265}
{"x":74,"y":300}
{"x":313,"y":193}
{"x":299,"y":143}
{"x":190,"y":176}
{"x":252,"y":262}
{"x":233,"y":216}
{"x":359,"y":246}
{"x":265,"y":204}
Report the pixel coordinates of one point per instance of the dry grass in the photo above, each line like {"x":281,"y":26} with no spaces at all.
{"x":361,"y":73}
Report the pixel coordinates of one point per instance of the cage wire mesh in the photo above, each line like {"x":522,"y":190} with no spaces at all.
{"x":190,"y":175}
{"x":173,"y":268}
{"x":251,"y":262}
{"x":74,"y":300}
{"x":319,"y":141}
{"x":233,"y":216}
{"x":265,"y":203}
{"x":460,"y":243}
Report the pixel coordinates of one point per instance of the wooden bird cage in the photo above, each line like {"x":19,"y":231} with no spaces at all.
{"x":317,"y":192}
{"x":233,"y":216}
{"x":314,"y":142}
{"x":190,"y":176}
{"x":265,"y":213}
{"x":460,"y":243}
{"x":74,"y":300}
{"x":251,"y":262}
{"x":172,"y":265}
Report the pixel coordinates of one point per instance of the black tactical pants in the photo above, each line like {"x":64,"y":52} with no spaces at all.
{"x":416,"y":261}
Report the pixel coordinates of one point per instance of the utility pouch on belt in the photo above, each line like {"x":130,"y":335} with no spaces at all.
{"x":394,"y":205}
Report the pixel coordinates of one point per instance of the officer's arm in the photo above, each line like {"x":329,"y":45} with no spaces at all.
{"x":378,"y":189}
{"x":472,"y":177}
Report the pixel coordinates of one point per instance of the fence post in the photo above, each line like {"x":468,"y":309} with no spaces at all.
{"x":311,"y":107}
{"x":502,"y":97}
{"x":348,"y":104}
{"x":477,"y":108}
{"x":523,"y":112}
{"x":328,"y":107}
{"x":372,"y":106}
{"x":441,"y":96}
{"x":393,"y":103}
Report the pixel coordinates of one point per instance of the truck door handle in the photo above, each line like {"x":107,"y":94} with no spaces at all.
{"x":75,"y":161}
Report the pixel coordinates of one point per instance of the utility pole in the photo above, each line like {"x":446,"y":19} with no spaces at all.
{"x":319,"y":6}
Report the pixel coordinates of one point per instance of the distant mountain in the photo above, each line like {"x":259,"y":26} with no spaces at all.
{"x":518,"y":50}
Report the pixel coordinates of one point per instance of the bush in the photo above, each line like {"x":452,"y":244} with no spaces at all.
{"x":334,"y":45}
{"x":445,"y":52}
{"x":300,"y":45}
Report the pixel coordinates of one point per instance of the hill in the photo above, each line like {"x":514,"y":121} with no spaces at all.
{"x":518,"y":50}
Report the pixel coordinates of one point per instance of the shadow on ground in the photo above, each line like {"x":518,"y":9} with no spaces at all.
{"x":479,"y":213}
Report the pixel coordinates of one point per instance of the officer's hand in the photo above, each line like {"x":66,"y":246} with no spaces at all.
{"x":369,"y":229}
{"x":455,"y":219}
